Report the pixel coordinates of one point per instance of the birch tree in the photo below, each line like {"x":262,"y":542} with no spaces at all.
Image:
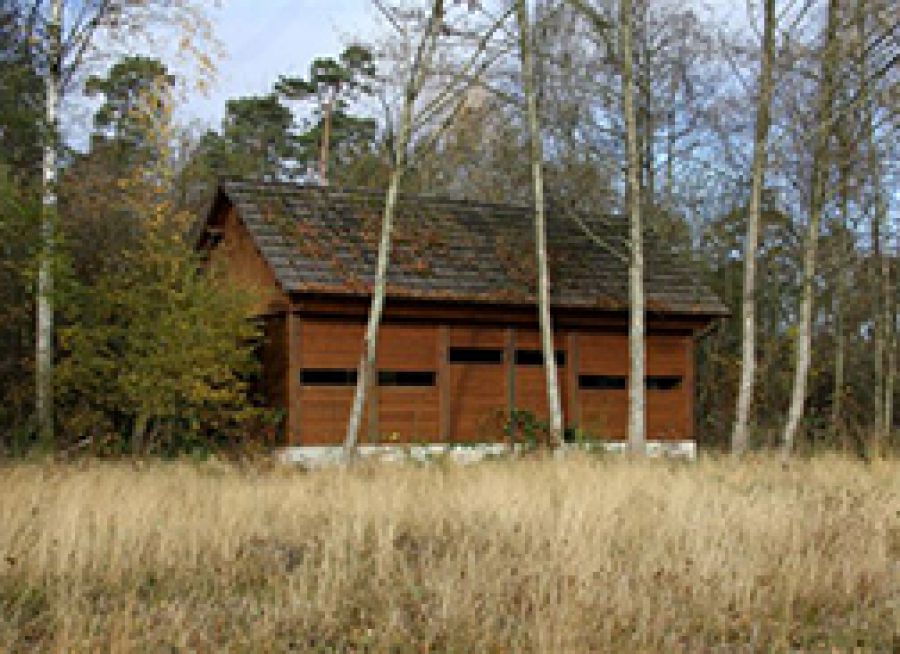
{"x":840,"y":291}
{"x":70,"y":45}
{"x":366,"y":369}
{"x":884,"y":305}
{"x":44,"y":318}
{"x":540,"y":230}
{"x":803,"y":341}
{"x":760,"y":145}
{"x":419,"y":130}
{"x":636,"y":330}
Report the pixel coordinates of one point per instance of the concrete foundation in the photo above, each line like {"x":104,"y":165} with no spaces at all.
{"x":317,"y":456}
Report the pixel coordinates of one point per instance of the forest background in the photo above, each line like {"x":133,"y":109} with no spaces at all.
{"x":110,"y":258}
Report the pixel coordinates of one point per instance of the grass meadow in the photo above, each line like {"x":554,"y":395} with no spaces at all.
{"x":534,"y":555}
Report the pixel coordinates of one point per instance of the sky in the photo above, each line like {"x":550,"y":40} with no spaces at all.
{"x":259,"y":40}
{"x":263,"y":39}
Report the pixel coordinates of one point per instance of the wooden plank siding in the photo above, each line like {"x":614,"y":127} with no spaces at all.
{"x":470,"y":402}
{"x":355,"y":308}
{"x":293,"y":352}
{"x":319,"y":330}
{"x":274,"y":363}
{"x":327,"y":345}
{"x":531,"y":382}
{"x":667,"y":410}
{"x":478,"y":392}
{"x":572,"y":370}
{"x":238,"y":258}
{"x":605,"y":412}
{"x":408,"y":413}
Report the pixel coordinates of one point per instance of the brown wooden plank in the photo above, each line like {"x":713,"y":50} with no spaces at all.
{"x":690,"y":387}
{"x":476,"y":336}
{"x":486,"y":314}
{"x":293,"y":348}
{"x":470,"y":401}
{"x":332,"y":344}
{"x":274,"y":361}
{"x":236,"y":254}
{"x":509,"y":363}
{"x":444,"y":383}
{"x":531,"y":391}
{"x":572,"y":360}
{"x":530,"y":339}
{"x":325,"y":412}
{"x":666,"y":355}
{"x":373,"y":395}
{"x":409,"y":415}
{"x":479,"y":402}
{"x":407,"y":347}
{"x":605,"y":413}
{"x":603,"y":354}
{"x":666,"y":414}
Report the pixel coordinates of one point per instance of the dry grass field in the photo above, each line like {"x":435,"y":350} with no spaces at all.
{"x":575,"y":555}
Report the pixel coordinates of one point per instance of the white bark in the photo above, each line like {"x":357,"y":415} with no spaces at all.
{"x":760,"y":147}
{"x":890,"y":318}
{"x":883,"y":306}
{"x":819,"y":176}
{"x":840,"y":292}
{"x":874,"y":170}
{"x":45,"y":307}
{"x":636,"y":393}
{"x":540,"y":230}
{"x":366,"y":370}
{"x":887,"y":349}
{"x":890,"y":377}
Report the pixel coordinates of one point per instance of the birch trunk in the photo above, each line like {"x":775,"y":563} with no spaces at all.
{"x":636,"y":393}
{"x":646,"y":126}
{"x":819,"y":176}
{"x":540,"y":232}
{"x":839,"y":294}
{"x":670,"y":148}
{"x":760,"y":145}
{"x":890,"y":377}
{"x":879,"y":314}
{"x":45,"y":308}
{"x":366,"y":370}
{"x":888,"y":327}
{"x":840,"y":291}
{"x":882,"y":306}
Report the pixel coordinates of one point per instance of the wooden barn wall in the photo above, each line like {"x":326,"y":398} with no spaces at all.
{"x":324,"y":409}
{"x":274,"y":361}
{"x":238,"y":256}
{"x":470,"y":401}
{"x":604,"y":412}
{"x":530,"y":381}
{"x":668,"y":411}
{"x":477,"y":392}
{"x":407,"y":413}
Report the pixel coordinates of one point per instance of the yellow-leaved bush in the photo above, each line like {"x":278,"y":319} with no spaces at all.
{"x":156,"y":353}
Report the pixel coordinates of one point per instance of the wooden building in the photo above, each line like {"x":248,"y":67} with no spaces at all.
{"x":459,"y":346}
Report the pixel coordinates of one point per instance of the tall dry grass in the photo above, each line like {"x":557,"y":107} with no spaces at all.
{"x":551,"y":556}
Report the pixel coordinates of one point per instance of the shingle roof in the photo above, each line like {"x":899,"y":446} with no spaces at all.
{"x":325,"y":240}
